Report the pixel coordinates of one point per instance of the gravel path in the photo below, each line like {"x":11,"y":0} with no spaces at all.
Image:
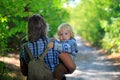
{"x":91,"y":65}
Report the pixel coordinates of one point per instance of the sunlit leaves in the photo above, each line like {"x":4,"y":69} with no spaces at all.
{"x":99,"y":22}
{"x":112,"y":36}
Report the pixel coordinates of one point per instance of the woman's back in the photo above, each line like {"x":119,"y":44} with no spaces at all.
{"x":36,"y":48}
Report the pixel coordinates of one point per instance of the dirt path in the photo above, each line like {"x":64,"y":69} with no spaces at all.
{"x":13,"y":65}
{"x":92,"y":65}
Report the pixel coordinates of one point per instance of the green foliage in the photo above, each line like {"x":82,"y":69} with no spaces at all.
{"x":4,"y":72}
{"x":87,"y":21}
{"x":14,"y":16}
{"x":3,"y":33}
{"x":98,"y":21}
{"x":111,"y":39}
{"x":111,"y":26}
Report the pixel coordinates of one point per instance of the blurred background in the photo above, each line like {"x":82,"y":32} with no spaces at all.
{"x":96,"y":21}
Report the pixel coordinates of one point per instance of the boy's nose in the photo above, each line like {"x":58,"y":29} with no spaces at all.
{"x":64,"y":38}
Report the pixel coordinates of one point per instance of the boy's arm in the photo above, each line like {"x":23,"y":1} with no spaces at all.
{"x":68,"y":61}
{"x":50,"y":45}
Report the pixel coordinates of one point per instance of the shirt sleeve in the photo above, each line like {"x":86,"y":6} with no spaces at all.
{"x":23,"y":55}
{"x":68,"y":46}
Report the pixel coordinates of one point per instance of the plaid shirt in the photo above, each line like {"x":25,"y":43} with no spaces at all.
{"x":69,"y":46}
{"x":36,"y":48}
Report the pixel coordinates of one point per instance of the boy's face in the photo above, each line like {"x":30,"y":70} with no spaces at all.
{"x":64,"y":35}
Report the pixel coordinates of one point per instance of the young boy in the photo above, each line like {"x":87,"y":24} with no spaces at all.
{"x":64,"y":34}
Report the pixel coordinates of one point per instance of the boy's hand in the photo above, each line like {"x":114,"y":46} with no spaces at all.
{"x":50,"y":45}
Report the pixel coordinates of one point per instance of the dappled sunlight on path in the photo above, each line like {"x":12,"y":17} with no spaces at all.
{"x":13,"y":65}
{"x":11,"y":59}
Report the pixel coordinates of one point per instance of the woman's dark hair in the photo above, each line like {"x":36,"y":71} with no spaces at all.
{"x":36,"y":28}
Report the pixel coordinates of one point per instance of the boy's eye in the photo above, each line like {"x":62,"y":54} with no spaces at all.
{"x":66,"y":33}
{"x":60,"y":34}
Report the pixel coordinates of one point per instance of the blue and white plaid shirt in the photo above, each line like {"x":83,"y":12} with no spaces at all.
{"x":36,"y":48}
{"x":69,"y":46}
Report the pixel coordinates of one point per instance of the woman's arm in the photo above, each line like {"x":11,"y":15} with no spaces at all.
{"x":68,"y":61}
{"x":23,"y":64}
{"x":64,"y":56}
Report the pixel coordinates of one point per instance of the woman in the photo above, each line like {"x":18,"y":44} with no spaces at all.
{"x":37,"y":43}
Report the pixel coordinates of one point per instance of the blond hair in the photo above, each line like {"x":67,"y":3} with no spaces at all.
{"x":65,"y":26}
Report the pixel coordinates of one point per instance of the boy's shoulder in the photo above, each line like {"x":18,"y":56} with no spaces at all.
{"x":72,"y":40}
